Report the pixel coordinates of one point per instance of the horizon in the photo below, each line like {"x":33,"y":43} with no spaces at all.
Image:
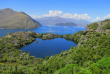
{"x":92,"y":11}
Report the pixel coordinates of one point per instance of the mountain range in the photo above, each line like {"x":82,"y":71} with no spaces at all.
{"x":57,"y":20}
{"x":10,"y":19}
{"x":66,"y":24}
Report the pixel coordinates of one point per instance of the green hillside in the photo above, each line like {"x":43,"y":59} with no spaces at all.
{"x":91,"y":56}
{"x":10,"y":19}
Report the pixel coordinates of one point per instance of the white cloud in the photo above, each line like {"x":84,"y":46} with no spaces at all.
{"x":35,"y":16}
{"x":76,"y":16}
{"x":67,"y":15}
{"x":97,"y":19}
{"x":53,"y":13}
{"x":107,"y":17}
{"x":100,"y":19}
{"x":83,"y":16}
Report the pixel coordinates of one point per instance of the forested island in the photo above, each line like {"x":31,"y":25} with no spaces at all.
{"x":91,"y":56}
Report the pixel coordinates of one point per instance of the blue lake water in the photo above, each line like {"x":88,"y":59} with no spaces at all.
{"x":62,"y":30}
{"x":46,"y":29}
{"x":47,"y":47}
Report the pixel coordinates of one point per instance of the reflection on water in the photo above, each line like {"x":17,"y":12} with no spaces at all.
{"x":48,"y":47}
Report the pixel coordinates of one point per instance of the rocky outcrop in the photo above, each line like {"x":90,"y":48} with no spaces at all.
{"x":49,"y":36}
{"x":102,"y":27}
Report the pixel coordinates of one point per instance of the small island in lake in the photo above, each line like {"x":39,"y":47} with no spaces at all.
{"x":37,"y":41}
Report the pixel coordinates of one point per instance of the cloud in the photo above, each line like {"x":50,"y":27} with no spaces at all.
{"x":107,"y":17}
{"x":97,"y":19}
{"x":83,"y":16}
{"x":74,"y":16}
{"x":35,"y":16}
{"x":67,"y":15}
{"x":100,"y":19}
{"x":53,"y":13}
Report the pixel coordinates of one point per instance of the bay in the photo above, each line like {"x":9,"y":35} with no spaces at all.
{"x":47,"y":47}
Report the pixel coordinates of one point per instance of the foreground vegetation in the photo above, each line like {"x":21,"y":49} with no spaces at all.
{"x":91,"y":56}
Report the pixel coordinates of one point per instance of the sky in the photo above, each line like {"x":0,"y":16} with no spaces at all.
{"x":91,"y":10}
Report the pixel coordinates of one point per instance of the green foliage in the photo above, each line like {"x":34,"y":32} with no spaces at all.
{"x":91,"y":48}
{"x":102,"y":66}
{"x":72,"y":47}
{"x":67,"y":36}
{"x":93,"y":26}
{"x":104,"y":63}
{"x":91,"y":56}
{"x":107,"y":20}
{"x":72,"y":69}
{"x":47,"y":57}
{"x":107,"y":26}
{"x":12,"y":60}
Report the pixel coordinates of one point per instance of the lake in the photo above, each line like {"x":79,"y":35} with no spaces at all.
{"x":47,"y":47}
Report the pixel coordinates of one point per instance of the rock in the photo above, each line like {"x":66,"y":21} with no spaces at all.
{"x":37,"y":42}
{"x":47,"y":36}
{"x":101,"y":27}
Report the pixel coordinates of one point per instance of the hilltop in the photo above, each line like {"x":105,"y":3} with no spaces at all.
{"x":10,"y":19}
{"x":102,"y":27}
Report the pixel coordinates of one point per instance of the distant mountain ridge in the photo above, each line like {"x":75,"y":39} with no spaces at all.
{"x":66,"y":24}
{"x":56,"y":20}
{"x":10,"y":19}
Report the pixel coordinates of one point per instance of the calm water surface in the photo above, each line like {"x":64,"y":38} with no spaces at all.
{"x":47,"y":47}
